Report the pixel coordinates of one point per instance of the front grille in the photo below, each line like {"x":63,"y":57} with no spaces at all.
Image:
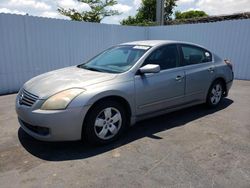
{"x":27,"y":98}
{"x":43,"y":131}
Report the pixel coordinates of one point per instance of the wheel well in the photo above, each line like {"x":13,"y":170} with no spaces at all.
{"x":224,"y":85}
{"x":119,"y":99}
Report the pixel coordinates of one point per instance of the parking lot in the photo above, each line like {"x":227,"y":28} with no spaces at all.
{"x":194,"y":147}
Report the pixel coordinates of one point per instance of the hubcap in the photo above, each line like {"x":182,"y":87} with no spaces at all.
{"x":216,"y":94}
{"x":108,"y":123}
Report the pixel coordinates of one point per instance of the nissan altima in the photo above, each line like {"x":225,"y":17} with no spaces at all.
{"x":96,"y":101}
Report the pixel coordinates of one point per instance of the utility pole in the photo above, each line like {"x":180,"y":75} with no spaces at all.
{"x":160,"y":12}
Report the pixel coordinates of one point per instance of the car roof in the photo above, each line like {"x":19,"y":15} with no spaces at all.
{"x":149,"y":42}
{"x":159,"y":42}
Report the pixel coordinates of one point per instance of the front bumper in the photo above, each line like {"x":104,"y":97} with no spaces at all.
{"x":52,"y":125}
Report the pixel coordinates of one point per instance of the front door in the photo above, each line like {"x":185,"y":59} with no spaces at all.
{"x":157,"y":91}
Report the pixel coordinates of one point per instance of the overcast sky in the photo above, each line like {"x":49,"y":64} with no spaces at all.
{"x":48,"y":8}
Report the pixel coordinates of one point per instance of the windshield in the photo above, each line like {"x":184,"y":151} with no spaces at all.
{"x":117,"y":59}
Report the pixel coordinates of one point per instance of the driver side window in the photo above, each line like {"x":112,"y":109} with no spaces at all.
{"x":167,"y":57}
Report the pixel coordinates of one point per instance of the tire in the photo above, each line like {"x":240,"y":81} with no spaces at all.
{"x":215,"y":94}
{"x":104,"y":123}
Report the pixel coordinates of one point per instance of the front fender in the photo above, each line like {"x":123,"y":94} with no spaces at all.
{"x":92,"y":94}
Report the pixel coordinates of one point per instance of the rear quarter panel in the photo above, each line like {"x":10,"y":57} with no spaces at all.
{"x":223,"y":71}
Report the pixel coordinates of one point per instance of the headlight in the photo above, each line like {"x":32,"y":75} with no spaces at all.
{"x":61,"y":100}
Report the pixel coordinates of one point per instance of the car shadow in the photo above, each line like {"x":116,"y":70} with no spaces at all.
{"x":61,"y":151}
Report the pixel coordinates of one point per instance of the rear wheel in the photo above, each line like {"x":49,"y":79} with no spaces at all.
{"x":104,"y":123}
{"x":215,"y":94}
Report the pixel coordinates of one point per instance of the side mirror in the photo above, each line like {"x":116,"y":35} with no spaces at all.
{"x":150,"y":68}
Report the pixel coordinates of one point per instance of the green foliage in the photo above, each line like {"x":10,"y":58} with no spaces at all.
{"x":146,"y":14}
{"x":96,"y":14}
{"x":137,"y":22}
{"x":147,"y":11}
{"x":168,"y":9}
{"x":189,"y":14}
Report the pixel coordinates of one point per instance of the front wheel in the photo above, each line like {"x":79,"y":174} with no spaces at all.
{"x":215,"y":94}
{"x":104,"y":123}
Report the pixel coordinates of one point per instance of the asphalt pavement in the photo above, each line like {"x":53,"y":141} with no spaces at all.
{"x":194,"y":147}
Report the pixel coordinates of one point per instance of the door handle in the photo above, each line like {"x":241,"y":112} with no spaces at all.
{"x":211,"y":69}
{"x":178,"y":78}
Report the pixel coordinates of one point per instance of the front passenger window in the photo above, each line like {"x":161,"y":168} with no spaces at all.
{"x":166,"y":57}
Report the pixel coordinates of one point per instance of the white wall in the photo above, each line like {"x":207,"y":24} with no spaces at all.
{"x":228,"y":39}
{"x":31,"y":45}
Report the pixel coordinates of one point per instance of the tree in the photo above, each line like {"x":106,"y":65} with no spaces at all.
{"x":168,"y":9}
{"x":190,"y":14}
{"x":99,"y":10}
{"x":146,"y":14}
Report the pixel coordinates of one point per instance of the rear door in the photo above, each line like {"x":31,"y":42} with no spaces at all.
{"x":199,"y":71}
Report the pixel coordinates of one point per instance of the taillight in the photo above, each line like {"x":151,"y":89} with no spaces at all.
{"x":228,"y":62}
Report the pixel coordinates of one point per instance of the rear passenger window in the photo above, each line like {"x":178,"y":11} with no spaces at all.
{"x":195,"y":55}
{"x":167,"y":57}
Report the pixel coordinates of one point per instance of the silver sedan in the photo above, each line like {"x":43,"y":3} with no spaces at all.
{"x":97,"y":100}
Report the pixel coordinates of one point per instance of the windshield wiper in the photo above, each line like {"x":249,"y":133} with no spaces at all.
{"x":90,"y":68}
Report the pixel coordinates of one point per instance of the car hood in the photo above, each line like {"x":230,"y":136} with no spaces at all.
{"x":53,"y":82}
